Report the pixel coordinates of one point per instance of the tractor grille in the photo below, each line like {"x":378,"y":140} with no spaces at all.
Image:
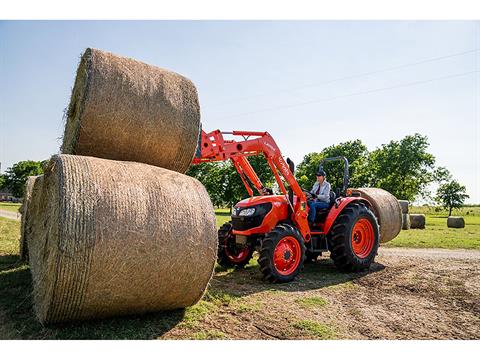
{"x":248,"y":222}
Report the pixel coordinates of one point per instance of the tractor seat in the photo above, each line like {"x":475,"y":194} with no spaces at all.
{"x":322,"y":214}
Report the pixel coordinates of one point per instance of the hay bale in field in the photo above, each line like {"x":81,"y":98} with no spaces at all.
{"x":119,"y":238}
{"x":386,"y":209}
{"x":417,"y":221}
{"x":27,"y":195}
{"x":124,"y":109}
{"x":405,"y":222}
{"x":456,"y":222}
{"x":404,"y":206}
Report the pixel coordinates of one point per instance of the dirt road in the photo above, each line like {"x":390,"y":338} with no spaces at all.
{"x":408,"y":294}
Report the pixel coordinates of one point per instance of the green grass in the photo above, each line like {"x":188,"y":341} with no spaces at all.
{"x":9,"y":236}
{"x":13,"y":207}
{"x":437,"y":235}
{"x":223,"y":215}
{"x":209,"y":335}
{"x":311,"y":301}
{"x":316,"y":329}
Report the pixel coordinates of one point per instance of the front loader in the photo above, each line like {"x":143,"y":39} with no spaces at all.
{"x":276,"y":225}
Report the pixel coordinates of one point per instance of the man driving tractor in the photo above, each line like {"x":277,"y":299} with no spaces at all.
{"x":320,"y":195}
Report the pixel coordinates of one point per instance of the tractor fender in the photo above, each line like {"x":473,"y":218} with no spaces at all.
{"x":337,"y":209}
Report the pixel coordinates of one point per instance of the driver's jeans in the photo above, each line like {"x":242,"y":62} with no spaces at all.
{"x":314,"y":206}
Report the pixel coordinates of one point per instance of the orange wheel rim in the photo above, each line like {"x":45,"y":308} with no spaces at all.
{"x":363,"y":238}
{"x":286,"y":256}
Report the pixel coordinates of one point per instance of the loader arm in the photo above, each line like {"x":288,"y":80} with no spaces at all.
{"x":214,"y":147}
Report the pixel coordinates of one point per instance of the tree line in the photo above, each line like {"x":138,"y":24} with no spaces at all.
{"x":405,"y":168}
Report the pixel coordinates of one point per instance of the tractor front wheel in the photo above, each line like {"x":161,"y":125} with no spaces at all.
{"x":229,"y":254}
{"x":282,"y":254}
{"x":354,"y":238}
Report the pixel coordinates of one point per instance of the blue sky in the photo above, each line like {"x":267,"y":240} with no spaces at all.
{"x":273,"y":76}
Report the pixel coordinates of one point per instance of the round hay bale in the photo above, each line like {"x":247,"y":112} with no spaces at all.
{"x":405,"y":222}
{"x":456,"y":222}
{"x":124,"y":109}
{"x":27,"y":195}
{"x":404,"y":206}
{"x":119,"y":238}
{"x":386,"y":209}
{"x":417,"y":221}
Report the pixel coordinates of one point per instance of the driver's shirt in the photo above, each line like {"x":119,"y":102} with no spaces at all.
{"x":322,"y":192}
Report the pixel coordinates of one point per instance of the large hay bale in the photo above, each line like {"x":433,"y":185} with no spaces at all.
{"x":404,"y":206}
{"x":119,"y":238}
{"x":27,"y":195}
{"x":405,"y":222}
{"x":456,"y":222}
{"x":386,"y":209}
{"x":417,"y":221}
{"x":123,"y":109}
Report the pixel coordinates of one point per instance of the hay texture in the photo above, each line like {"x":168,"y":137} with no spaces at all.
{"x":123,"y":109}
{"x":456,"y":222}
{"x":404,"y":206}
{"x":119,"y":238}
{"x":26,"y":218}
{"x":417,"y":221}
{"x":386,"y":209}
{"x":405,"y":222}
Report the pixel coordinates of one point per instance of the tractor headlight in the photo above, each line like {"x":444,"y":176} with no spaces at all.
{"x":247,"y":212}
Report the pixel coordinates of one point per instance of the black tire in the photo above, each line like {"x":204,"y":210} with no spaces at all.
{"x":267,"y":250}
{"x":340,"y":239}
{"x":226,"y":247}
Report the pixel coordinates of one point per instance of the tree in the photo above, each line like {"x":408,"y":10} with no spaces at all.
{"x":16,"y":176}
{"x":3,"y":180}
{"x":451,"y":195}
{"x":223,"y":183}
{"x":404,"y":168}
{"x":355,"y":152}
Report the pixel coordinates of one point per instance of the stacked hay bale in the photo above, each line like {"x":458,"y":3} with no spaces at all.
{"x":456,"y":222}
{"x":417,"y":221}
{"x":387,"y":210}
{"x":405,"y":217}
{"x":123,"y":109}
{"x":113,"y":237}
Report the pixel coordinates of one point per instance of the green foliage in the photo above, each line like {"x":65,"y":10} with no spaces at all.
{"x":355,"y":152}
{"x":451,"y":195}
{"x":3,"y":179}
{"x":16,"y":176}
{"x":404,"y":168}
{"x":223,"y":183}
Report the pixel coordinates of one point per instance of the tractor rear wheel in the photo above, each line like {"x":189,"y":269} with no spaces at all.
{"x":354,"y":238}
{"x":229,"y":254}
{"x":282,"y":254}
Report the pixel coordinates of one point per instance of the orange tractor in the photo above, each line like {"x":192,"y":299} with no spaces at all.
{"x":276,"y":225}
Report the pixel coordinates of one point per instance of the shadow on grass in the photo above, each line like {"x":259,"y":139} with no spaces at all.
{"x":317,"y":275}
{"x":17,"y":319}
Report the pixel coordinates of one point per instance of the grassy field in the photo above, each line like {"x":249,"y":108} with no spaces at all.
{"x":10,"y":206}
